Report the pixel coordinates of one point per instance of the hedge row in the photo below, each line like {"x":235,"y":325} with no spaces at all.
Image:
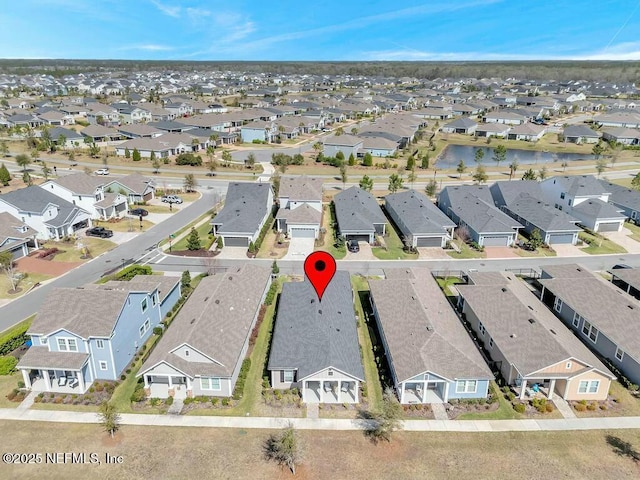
{"x":131,"y":271}
{"x":14,"y":337}
{"x":271,"y":294}
{"x":242,"y":377}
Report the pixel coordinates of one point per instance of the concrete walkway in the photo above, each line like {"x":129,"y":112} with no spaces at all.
{"x":267,"y":171}
{"x":313,"y":410}
{"x":439,"y":411}
{"x":531,"y":425}
{"x":176,"y":407}
{"x":28,"y":401}
{"x":563,"y":407}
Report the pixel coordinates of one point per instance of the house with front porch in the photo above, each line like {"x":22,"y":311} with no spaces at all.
{"x":347,"y":144}
{"x":93,"y":332}
{"x":498,"y":130}
{"x":431,"y":357}
{"x":135,"y":187}
{"x":299,"y":207}
{"x":260,"y":131}
{"x":202,"y":351}
{"x":315,"y":344}
{"x":533,"y":351}
{"x":359,"y":216}
{"x":603,"y":316}
{"x":49,"y":215}
{"x":16,"y":237}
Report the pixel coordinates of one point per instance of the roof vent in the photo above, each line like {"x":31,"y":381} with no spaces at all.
{"x":313,"y":300}
{"x":532,"y":321}
{"x":320,"y":312}
{"x":503,"y":289}
{"x":193,"y":320}
{"x":217,"y":301}
{"x":552,"y":331}
{"x":530,"y":307}
{"x":513,"y":335}
{"x":630,"y":306}
{"x":206,"y":298}
{"x":230,"y":278}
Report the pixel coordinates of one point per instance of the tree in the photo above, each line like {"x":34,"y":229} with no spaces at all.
{"x":635,"y":182}
{"x":26,"y":178}
{"x":127,"y":153}
{"x":601,"y":165}
{"x":226,"y":157}
{"x":135,"y":156}
{"x":4,"y":149}
{"x":8,"y":266}
{"x":274,"y":268}
{"x":250,"y":161}
{"x":388,"y":419}
{"x":461,"y":168}
{"x":109,"y":418}
{"x":529,"y":175}
{"x":367,"y":160}
{"x":597,"y":150}
{"x":412,"y":177}
{"x":431,"y":189}
{"x":535,"y":239}
{"x":354,"y":131}
{"x":513,"y":168}
{"x":193,"y":240}
{"x":542,"y":173}
{"x":395,"y":182}
{"x":5,"y":176}
{"x":285,"y":448}
{"x":46,"y":171}
{"x":339,"y":131}
{"x":479,"y":155}
{"x":153,"y":157}
{"x":411,"y":163}
{"x":62,"y":141}
{"x":352,"y":160}
{"x":366,"y":183}
{"x":22,"y":160}
{"x":185,"y":280}
{"x":340,"y":156}
{"x":275,"y":182}
{"x":564,"y":165}
{"x":343,"y":174}
{"x":212,"y":166}
{"x":615,"y":149}
{"x":35,"y":155}
{"x":190,"y":183}
{"x":480,"y":175}
{"x":94,"y":151}
{"x":425,"y":161}
{"x":499,"y":154}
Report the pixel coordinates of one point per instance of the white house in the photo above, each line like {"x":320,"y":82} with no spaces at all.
{"x":300,"y":201}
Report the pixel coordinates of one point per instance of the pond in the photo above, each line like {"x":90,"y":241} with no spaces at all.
{"x":452,"y":154}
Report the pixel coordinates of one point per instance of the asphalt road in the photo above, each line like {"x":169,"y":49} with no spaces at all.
{"x":91,"y":271}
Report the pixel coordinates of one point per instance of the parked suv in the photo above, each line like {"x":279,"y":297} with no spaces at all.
{"x":171,"y":199}
{"x":138,"y":212}
{"x":99,"y":232}
{"x":102,"y":171}
{"x":352,"y":246}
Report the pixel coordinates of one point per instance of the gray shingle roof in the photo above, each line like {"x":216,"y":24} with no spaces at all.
{"x":623,"y":196}
{"x":142,"y":283}
{"x":543,"y":215}
{"x":10,"y":228}
{"x":506,"y":310}
{"x":357,"y":211}
{"x":463,"y":122}
{"x":612,"y":311}
{"x":41,"y":357}
{"x":79,"y":183}
{"x":303,"y":214}
{"x":628,"y":275}
{"x":244,"y":208}
{"x":216,"y":321}
{"x":572,"y":131}
{"x":310,"y":335}
{"x":507,"y":191}
{"x":418,"y":213}
{"x":579,"y":185}
{"x":135,"y":182}
{"x":422,"y":331}
{"x":301,"y":188}
{"x":594,"y":207}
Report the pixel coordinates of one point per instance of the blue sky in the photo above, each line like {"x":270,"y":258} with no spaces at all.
{"x":321,"y":30}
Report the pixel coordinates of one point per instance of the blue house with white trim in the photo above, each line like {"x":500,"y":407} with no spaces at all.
{"x":93,"y":332}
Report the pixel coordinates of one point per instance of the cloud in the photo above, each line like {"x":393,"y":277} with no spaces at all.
{"x":620,"y":51}
{"x":167,"y":9}
{"x":148,"y":47}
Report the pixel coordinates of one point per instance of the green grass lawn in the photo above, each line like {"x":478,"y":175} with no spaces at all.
{"x":504,"y":412}
{"x":394,"y":245}
{"x":24,"y":285}
{"x":372,"y":378}
{"x":465,"y":251}
{"x":128,"y":224}
{"x":7,"y":384}
{"x":203,"y":230}
{"x":444,"y":284}
{"x":97,"y":246}
{"x":634,"y":229}
{"x":329,"y":237}
{"x":186,"y":228}
{"x":599,"y":245}
{"x":164,"y":208}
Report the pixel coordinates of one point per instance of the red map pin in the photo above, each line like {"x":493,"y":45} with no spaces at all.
{"x":320,"y":267}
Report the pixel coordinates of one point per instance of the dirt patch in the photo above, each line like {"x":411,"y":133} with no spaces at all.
{"x":454,"y":410}
{"x":45,"y":267}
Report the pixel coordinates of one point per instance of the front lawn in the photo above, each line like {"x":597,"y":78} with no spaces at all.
{"x":7,"y":384}
{"x":23,"y":287}
{"x":599,"y":245}
{"x":128,"y":224}
{"x":465,"y":251}
{"x":71,"y":253}
{"x":394,"y":247}
{"x":634,"y":229}
{"x":203,"y":231}
{"x":329,"y":239}
{"x":504,"y":412}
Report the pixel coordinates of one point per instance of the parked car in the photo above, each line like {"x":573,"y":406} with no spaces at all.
{"x":102,"y":171}
{"x":171,"y":199}
{"x":99,"y":232}
{"x":138,"y":212}
{"x":352,"y":246}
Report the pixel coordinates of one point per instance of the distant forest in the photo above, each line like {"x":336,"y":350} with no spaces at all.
{"x":612,"y":71}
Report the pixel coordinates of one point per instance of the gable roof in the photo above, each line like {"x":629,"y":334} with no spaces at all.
{"x":542,"y":215}
{"x":579,"y":185}
{"x":216,"y":321}
{"x":310,"y":335}
{"x":79,"y":183}
{"x":596,"y":208}
{"x":357,"y":210}
{"x":301,"y":188}
{"x":135,"y":182}
{"x":622,"y":196}
{"x":35,"y":199}
{"x":421,"y":330}
{"x":505,"y":192}
{"x":418,"y":213}
{"x":246,"y":204}
{"x":343,"y":140}
{"x":463,"y":122}
{"x":572,"y":131}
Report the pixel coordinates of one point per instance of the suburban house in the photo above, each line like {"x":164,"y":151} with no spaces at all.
{"x":585,"y":198}
{"x":93,"y":332}
{"x":201,"y":353}
{"x":358,"y":215}
{"x":504,"y":116}
{"x":624,"y":198}
{"x":299,"y":207}
{"x":472,"y":206}
{"x":499,"y":130}
{"x":161,"y":146}
{"x":49,"y":215}
{"x":625,"y":136}
{"x":246,"y":209}
{"x":347,"y":144}
{"x":529,"y":132}
{"x":580,"y":134}
{"x":315,"y":344}
{"x":530,"y":347}
{"x":260,"y":131}
{"x":16,"y":236}
{"x":88,"y":192}
{"x":421,"y":223}
{"x":137,"y":188}
{"x":628,"y":279}
{"x":379,"y":146}
{"x":524,"y":201}
{"x":604,"y":317}
{"x":431,"y":356}
{"x":463,"y":125}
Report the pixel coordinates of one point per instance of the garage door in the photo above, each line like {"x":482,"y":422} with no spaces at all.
{"x":148,"y":196}
{"x":17,"y":253}
{"x":359,"y":238}
{"x":236,"y":242}
{"x":303,"y":233}
{"x":429,"y":242}
{"x":496,"y":241}
{"x":609,"y":227}
{"x":561,"y":238}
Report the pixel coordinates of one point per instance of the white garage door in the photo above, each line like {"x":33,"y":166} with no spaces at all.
{"x":236,"y":242}
{"x":496,"y":241}
{"x":429,"y":242}
{"x":561,"y":238}
{"x":303,"y":233}
{"x":609,"y":227}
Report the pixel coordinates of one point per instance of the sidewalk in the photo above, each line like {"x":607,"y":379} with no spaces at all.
{"x":602,"y":423}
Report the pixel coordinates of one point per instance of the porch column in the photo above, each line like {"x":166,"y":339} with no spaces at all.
{"x":321,"y":391}
{"x":80,"y":380}
{"x":35,"y":242}
{"x":356,"y":386}
{"x":446,"y":392}
{"x":423,"y":395}
{"x":27,"y":380}
{"x":47,"y":380}
{"x":304,"y":391}
{"x":402,"y":392}
{"x":146,"y":381}
{"x":188,"y":383}
{"x":523,"y":388}
{"x":552,"y":385}
{"x":170,"y":382}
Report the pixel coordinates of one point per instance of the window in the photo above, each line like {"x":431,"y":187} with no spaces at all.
{"x":153,"y":300}
{"x":569,"y":202}
{"x":576,"y":320}
{"x":103,"y":365}
{"x":562,"y":195}
{"x":568,"y":365}
{"x":557,"y":305}
{"x":590,"y":331}
{"x":67,"y":345}
{"x":491,"y":343}
{"x":144,"y":327}
{"x":186,"y":353}
{"x":210,"y":383}
{"x":589,"y":386}
{"x":100,"y":344}
{"x":288,"y":376}
{"x":466,"y":386}
{"x":619,"y":354}
{"x":144,"y":305}
{"x":44,"y":340}
{"x":634,"y":214}
{"x":481,"y":329}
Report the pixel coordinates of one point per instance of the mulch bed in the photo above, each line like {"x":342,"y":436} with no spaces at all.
{"x":194,"y":253}
{"x":98,"y":392}
{"x":454,"y":410}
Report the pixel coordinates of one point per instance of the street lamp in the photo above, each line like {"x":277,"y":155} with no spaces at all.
{"x":123,"y":263}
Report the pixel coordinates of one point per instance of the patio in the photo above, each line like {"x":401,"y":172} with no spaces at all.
{"x":333,"y":391}
{"x":59,"y":385}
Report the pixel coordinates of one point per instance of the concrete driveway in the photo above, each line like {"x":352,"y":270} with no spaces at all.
{"x":432,"y":252}
{"x":501,"y":252}
{"x":365,"y":253}
{"x":568,"y":251}
{"x":299,"y":248}
{"x":233,"y":253}
{"x":623,"y":239}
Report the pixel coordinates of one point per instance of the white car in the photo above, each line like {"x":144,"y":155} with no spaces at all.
{"x":102,"y":171}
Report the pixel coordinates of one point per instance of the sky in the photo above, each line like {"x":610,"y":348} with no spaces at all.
{"x":321,"y":30}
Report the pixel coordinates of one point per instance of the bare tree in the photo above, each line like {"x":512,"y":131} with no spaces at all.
{"x":285,"y":448}
{"x":8,"y":266}
{"x":109,"y":418}
{"x":462,"y":232}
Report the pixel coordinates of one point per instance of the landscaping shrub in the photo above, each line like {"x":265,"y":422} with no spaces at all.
{"x":169,"y":401}
{"x":242,"y":376}
{"x":519,"y":407}
{"x":214,"y":401}
{"x":138,"y":394}
{"x":580,"y":407}
{"x":254,"y":333}
{"x":225,"y":402}
{"x":549,"y":407}
{"x":157,"y":330}
{"x":131,"y":271}
{"x":189,"y":159}
{"x":592,"y":406}
{"x":13,"y":339}
{"x":8,"y":365}
{"x":271,"y":294}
